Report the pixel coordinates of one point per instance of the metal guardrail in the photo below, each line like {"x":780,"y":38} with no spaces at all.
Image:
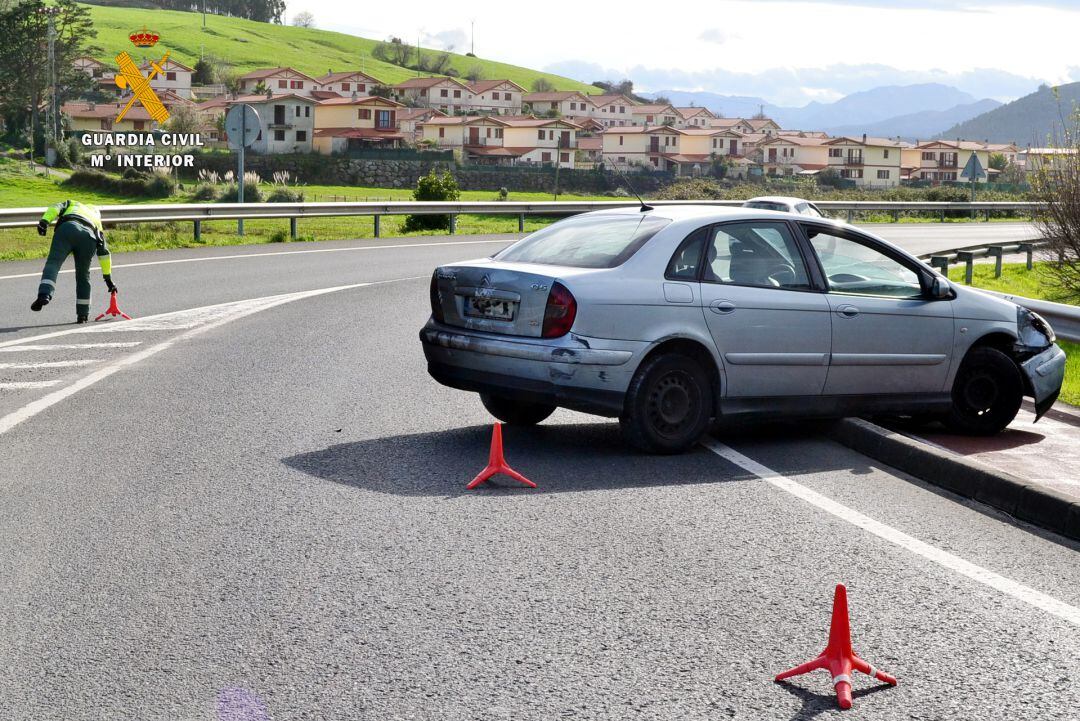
{"x":199,"y":212}
{"x":1064,"y":319}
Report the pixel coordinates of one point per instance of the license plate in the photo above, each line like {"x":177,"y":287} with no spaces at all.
{"x":490,"y":308}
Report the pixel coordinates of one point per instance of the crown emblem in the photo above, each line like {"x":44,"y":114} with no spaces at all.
{"x":144,"y":38}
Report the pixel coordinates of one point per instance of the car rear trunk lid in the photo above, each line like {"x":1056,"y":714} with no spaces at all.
{"x":493,"y":299}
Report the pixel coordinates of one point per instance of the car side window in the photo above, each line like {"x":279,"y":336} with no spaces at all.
{"x":684,"y":264}
{"x":758,"y":253}
{"x":853,"y":268}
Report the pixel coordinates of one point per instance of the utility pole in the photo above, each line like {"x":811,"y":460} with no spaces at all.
{"x":472,"y":37}
{"x":52,"y":110}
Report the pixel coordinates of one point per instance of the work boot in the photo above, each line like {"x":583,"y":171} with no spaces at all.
{"x":82,"y":318}
{"x":41,"y":302}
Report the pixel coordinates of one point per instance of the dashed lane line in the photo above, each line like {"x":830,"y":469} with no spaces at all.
{"x":238,"y":256}
{"x":210,"y":316}
{"x":68,"y":346}
{"x":49,"y":364}
{"x":948,"y":560}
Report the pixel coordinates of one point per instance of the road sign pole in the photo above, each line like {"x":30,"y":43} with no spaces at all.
{"x":240,"y":173}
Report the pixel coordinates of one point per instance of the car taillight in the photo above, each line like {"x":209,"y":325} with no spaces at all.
{"x":560,"y":312}
{"x":433,"y":293}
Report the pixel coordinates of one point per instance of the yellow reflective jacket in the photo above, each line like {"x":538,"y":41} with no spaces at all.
{"x":67,"y":209}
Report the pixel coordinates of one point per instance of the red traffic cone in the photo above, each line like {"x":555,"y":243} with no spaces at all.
{"x":113,"y":310}
{"x":838,"y":658}
{"x":497,"y":464}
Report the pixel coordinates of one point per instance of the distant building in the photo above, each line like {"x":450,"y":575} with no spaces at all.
{"x":497,"y":96}
{"x":694,"y":117}
{"x":501,"y":140}
{"x":614,"y":110}
{"x":944,"y":160}
{"x":84,"y":115}
{"x":446,"y":94}
{"x":287,"y":121}
{"x":175,"y":79}
{"x":648,"y":115}
{"x":785,"y":155}
{"x":356,"y":123}
{"x":279,"y":81}
{"x":868,"y":162}
{"x":346,"y":82}
{"x":411,"y":121}
{"x":569,"y":104}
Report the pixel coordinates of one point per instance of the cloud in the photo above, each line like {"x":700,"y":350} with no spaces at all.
{"x":943,"y":5}
{"x":718,"y":36}
{"x":798,"y":86}
{"x":447,"y":40}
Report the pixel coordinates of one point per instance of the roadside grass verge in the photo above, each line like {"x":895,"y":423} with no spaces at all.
{"x":1016,"y":279}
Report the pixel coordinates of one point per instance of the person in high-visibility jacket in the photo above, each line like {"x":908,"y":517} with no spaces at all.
{"x":79,"y":232}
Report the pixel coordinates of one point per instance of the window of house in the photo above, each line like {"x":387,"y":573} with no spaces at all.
{"x":444,"y":93}
{"x":169,"y":75}
{"x":364,"y":114}
{"x":545,"y":157}
{"x":442,"y":132}
{"x":345,"y":86}
{"x":282,"y":84}
{"x":457,"y":93}
{"x":297,"y":84}
{"x":360,"y":87}
{"x":622,"y":158}
{"x":279,"y":135}
{"x":836,"y":152}
{"x":621,"y":139}
{"x":383,"y":119}
{"x":886,"y":153}
{"x":540,"y":134}
{"x":564,"y":157}
{"x":307,"y":111}
{"x":498,"y":132}
{"x":648,"y":118}
{"x":929,"y":156}
{"x":138,"y":124}
{"x":423,"y":92}
{"x":301,"y":136}
{"x":883,"y":175}
{"x":298,"y":111}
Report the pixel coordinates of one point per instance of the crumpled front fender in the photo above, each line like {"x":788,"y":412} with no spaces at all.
{"x":1045,"y":373}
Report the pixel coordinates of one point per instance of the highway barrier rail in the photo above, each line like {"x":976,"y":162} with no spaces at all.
{"x":197,"y":213}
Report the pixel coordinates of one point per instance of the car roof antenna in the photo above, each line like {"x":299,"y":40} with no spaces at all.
{"x":644,"y":206}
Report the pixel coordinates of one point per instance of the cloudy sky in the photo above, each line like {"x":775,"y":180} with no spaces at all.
{"x":786,"y":52}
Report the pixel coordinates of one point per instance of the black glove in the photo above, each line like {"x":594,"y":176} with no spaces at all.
{"x":110,"y":284}
{"x":42,"y":227}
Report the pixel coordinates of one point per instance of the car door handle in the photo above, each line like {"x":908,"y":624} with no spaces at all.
{"x":722,"y":306}
{"x":847,"y":311}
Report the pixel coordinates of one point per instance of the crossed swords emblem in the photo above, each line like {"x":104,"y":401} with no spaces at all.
{"x":131,"y":77}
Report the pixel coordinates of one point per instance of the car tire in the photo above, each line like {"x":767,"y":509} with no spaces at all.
{"x":516,"y":413}
{"x":986,"y":394}
{"x":668,"y":405}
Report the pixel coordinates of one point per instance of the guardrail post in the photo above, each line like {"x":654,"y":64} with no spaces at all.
{"x":988,"y":216}
{"x":896,"y":216}
{"x":292,"y":228}
{"x":453,"y":223}
{"x":995,"y":253}
{"x":1027,"y":248}
{"x":943,"y":216}
{"x":521,"y":222}
{"x":378,"y":225}
{"x":850,"y":215}
{"x":941,"y":262}
{"x":198,"y":231}
{"x":969,"y":264}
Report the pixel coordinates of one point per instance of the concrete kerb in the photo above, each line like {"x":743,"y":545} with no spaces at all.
{"x":1035,"y":504}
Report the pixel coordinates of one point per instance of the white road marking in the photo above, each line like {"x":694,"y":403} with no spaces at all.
{"x":213,"y":317}
{"x":272,"y":255}
{"x":47,"y":364}
{"x":948,"y":560}
{"x":20,"y":385}
{"x":68,"y":346}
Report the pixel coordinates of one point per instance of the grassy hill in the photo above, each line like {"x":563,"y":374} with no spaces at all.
{"x":249,"y":45}
{"x":1027,"y":120}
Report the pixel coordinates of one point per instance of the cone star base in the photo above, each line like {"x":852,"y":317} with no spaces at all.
{"x":113,"y":309}
{"x":838,"y":658}
{"x":497,"y":463}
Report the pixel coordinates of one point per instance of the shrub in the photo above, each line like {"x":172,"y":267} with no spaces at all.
{"x":279,"y":236}
{"x":252,"y":194}
{"x":503,"y":193}
{"x":284,"y":195}
{"x":159,"y":185}
{"x":204,"y":191}
{"x":433,"y":187}
{"x":156,"y":185}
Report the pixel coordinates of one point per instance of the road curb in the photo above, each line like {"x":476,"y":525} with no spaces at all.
{"x":1043,"y":507}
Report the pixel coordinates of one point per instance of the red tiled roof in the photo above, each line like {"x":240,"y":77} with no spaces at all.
{"x":360,"y":100}
{"x":103,"y":110}
{"x":557,"y":96}
{"x":269,"y":72}
{"x":593,"y":143}
{"x":482,"y":86}
{"x":346,"y":75}
{"x":497,"y":151}
{"x":427,"y":83}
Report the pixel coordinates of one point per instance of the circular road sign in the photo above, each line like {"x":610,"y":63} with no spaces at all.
{"x":242,"y":126}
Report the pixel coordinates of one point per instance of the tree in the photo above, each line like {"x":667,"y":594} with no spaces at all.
{"x":261,"y":89}
{"x":380,"y":91}
{"x":542,"y":85}
{"x":998,"y":161}
{"x":435,"y":63}
{"x":304,"y":19}
{"x":661,"y":100}
{"x":183,"y":119}
{"x":1055,"y":184}
{"x":474,"y":73}
{"x":24,"y":74}
{"x":433,"y":187}
{"x":395,"y":51}
{"x":206,"y":71}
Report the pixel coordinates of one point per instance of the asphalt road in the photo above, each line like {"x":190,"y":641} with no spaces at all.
{"x":258,"y":511}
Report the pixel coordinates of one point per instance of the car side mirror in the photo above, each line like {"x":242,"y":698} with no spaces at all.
{"x":940,"y":288}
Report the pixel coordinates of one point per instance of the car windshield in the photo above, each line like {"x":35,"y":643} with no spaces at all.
{"x":766,"y":205}
{"x":586,"y":241}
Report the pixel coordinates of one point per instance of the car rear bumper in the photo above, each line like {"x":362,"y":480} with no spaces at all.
{"x":1045,"y":372}
{"x":584,"y":374}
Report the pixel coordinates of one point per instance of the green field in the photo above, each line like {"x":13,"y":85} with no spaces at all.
{"x":248,"y":45}
{"x":1018,"y":280}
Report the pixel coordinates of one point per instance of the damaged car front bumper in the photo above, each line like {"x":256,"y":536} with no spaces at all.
{"x":1045,"y":373}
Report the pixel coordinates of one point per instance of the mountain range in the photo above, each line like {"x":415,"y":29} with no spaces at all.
{"x":910,"y":111}
{"x":1034,"y":119}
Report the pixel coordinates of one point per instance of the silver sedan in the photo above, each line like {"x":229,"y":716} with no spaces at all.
{"x":672,"y":317}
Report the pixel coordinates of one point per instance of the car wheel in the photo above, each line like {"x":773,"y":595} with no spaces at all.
{"x":668,"y":404}
{"x":516,"y":413}
{"x":986,"y":394}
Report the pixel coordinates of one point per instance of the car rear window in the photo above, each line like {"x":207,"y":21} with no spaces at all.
{"x":586,"y":241}
{"x":766,"y":205}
